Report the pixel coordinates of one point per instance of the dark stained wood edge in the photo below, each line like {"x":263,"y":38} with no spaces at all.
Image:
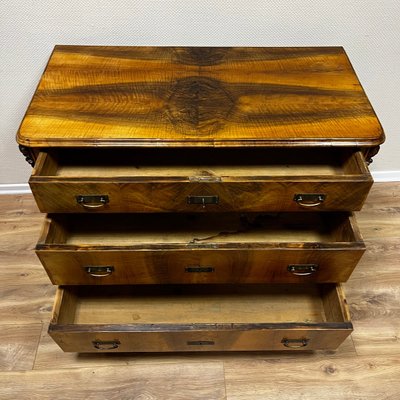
{"x":290,"y":142}
{"x":96,"y":328}
{"x":241,"y":179}
{"x":217,"y":246}
{"x":78,"y":48}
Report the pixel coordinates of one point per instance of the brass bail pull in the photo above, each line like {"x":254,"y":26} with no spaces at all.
{"x":106,"y":344}
{"x":309,"y":199}
{"x":92,"y":201}
{"x":295,"y":343}
{"x":99,"y":271}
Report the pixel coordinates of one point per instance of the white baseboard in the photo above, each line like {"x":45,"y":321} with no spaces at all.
{"x":23,"y":188}
{"x":386,"y":176}
{"x":14,"y":188}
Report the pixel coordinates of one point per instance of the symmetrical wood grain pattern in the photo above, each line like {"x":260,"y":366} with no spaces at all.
{"x":162,"y":181}
{"x":66,"y":267}
{"x":185,"y":96}
{"x":169,"y":248}
{"x":367,"y":365}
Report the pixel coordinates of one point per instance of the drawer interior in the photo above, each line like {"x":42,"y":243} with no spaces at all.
{"x":223,"y":163}
{"x":208,"y":304}
{"x":183,"y":230}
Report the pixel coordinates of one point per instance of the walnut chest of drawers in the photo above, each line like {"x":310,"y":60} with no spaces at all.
{"x":199,"y":199}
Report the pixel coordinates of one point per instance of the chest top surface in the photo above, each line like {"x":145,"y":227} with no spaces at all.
{"x":199,"y":96}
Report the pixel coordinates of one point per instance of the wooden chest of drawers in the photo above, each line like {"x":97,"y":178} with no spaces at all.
{"x":199,"y":199}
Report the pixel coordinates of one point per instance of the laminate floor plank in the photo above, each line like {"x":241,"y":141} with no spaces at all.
{"x":173,"y":381}
{"x":18,"y":204}
{"x":380,"y":216}
{"x":377,"y":339}
{"x":18,"y":346}
{"x":22,"y":268}
{"x":26,"y":304}
{"x":358,"y":378}
{"x":383,"y":197}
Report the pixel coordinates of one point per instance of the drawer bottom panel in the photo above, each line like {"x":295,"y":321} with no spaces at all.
{"x":177,"y":318}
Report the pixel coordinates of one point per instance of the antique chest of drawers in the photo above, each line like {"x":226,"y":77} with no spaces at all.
{"x":199,"y":199}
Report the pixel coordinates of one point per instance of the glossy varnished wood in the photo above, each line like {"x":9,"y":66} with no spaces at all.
{"x":197,"y":96}
{"x":170,"y":248}
{"x":361,"y":367}
{"x":199,"y":318}
{"x":162,"y":180}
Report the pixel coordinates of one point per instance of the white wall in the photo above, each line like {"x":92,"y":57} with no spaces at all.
{"x":369,"y":30}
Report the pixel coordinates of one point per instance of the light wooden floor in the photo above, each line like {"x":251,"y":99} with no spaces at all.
{"x":366,"y":366}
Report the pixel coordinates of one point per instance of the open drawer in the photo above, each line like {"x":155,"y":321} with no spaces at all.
{"x":200,"y":180}
{"x":199,"y":248}
{"x":199,"y":318}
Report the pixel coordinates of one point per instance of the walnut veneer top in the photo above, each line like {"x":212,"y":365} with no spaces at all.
{"x":199,"y":96}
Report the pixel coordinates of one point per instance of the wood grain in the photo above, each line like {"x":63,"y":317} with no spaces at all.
{"x":346,"y":378}
{"x":371,"y":372}
{"x":26,"y":304}
{"x":198,"y":318}
{"x":49,"y":356}
{"x":65,"y":267}
{"x":143,"y":249}
{"x":167,"y":381}
{"x":193,"y":231}
{"x":18,"y":346}
{"x":161,"y":180}
{"x":185,"y":96}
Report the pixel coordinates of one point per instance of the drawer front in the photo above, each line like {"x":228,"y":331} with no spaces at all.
{"x":164,"y":318}
{"x":86,"y":196}
{"x":315,"y":338}
{"x":199,"y":266}
{"x":200,"y":180}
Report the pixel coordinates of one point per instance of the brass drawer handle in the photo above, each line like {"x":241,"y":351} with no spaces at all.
{"x":295,"y":343}
{"x":106,"y":344}
{"x":200,"y":343}
{"x":99,"y":271}
{"x":198,"y":268}
{"x":309,"y":199}
{"x":94,"y":201}
{"x":204,"y":200}
{"x":302,"y":269}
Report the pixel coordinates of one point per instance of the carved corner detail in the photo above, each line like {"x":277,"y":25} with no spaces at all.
{"x":28,"y":154}
{"x":372,"y":152}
